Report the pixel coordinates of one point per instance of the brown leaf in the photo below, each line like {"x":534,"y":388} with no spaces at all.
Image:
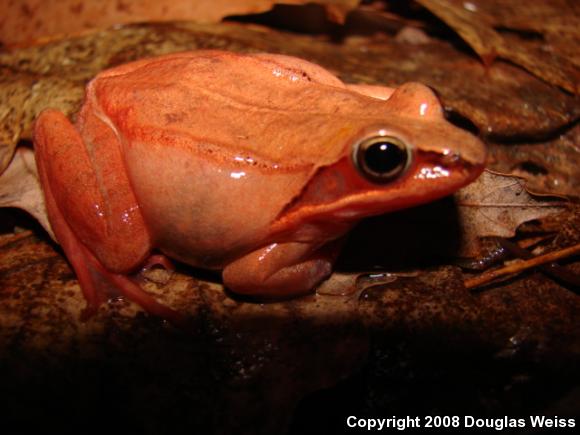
{"x":495,"y":205}
{"x":24,"y":95}
{"x":20,"y":187}
{"x":26,"y":21}
{"x":476,"y":23}
{"x":549,"y":167}
{"x":554,"y":21}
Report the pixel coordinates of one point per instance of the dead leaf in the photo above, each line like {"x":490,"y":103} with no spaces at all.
{"x":551,"y":24}
{"x":549,"y":167}
{"x":28,"y":21}
{"x":475,"y":21}
{"x":23,"y":96}
{"x":495,"y":205}
{"x":20,"y":187}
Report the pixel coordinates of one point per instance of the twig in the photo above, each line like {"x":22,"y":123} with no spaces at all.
{"x":553,"y":269}
{"x":520,"y":266}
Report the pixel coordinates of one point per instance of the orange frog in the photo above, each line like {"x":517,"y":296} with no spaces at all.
{"x":253,"y":164}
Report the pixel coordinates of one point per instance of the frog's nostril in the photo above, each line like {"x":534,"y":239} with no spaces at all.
{"x":451,"y":158}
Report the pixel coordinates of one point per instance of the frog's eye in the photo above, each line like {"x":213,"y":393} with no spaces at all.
{"x":381,"y":158}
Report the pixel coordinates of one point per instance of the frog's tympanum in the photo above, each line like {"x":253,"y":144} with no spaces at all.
{"x":255,"y":165}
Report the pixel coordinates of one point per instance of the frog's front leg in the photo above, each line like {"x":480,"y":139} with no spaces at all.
{"x":281,"y":269}
{"x":93,"y":211}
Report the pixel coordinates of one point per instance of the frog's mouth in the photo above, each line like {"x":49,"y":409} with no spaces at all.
{"x":337,"y":196}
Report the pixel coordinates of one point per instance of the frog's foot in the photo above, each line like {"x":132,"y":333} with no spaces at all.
{"x":280,"y":270}
{"x":97,"y":282}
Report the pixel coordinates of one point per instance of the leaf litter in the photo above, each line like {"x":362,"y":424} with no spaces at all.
{"x":501,"y":100}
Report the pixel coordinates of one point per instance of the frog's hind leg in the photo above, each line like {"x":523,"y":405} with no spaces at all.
{"x":95,"y":280}
{"x":81,"y":218}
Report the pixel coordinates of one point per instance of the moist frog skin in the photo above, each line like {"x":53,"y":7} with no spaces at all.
{"x":253,"y":164}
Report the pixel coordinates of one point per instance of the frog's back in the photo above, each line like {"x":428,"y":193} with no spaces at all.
{"x":277,"y":109}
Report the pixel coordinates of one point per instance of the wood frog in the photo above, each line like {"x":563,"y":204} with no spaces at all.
{"x":253,"y":164}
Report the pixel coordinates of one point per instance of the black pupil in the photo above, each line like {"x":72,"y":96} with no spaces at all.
{"x":384,"y":157}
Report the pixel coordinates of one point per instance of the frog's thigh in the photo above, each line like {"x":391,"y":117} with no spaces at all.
{"x":100,"y":209}
{"x":285,"y":269}
{"x":379,"y":92}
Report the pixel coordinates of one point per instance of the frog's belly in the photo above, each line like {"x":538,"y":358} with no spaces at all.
{"x":204,"y":210}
